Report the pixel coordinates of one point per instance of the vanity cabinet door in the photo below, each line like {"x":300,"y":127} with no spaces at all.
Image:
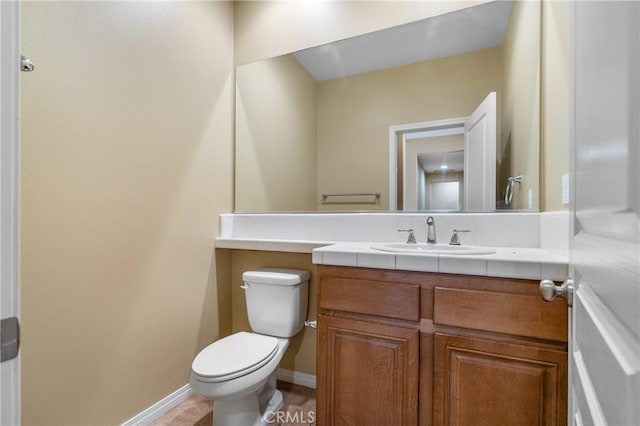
{"x":367,"y":373}
{"x":484,"y":382}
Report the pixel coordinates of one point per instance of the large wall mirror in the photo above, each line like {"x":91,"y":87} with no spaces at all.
{"x":441,"y":114}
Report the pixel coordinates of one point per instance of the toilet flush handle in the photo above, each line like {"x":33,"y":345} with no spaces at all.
{"x":244,"y":286}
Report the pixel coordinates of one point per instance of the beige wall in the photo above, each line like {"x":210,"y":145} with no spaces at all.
{"x":127,"y":161}
{"x":556,"y":36}
{"x":301,"y":354}
{"x":275,"y":136}
{"x":354,"y":115}
{"x":519,"y":149}
{"x":270,"y":28}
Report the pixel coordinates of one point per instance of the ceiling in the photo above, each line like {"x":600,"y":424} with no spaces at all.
{"x":432,"y":161}
{"x":458,"y":32}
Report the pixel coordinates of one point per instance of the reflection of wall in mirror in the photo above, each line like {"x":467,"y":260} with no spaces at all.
{"x":554,"y":152}
{"x":444,"y":196}
{"x":443,"y":191}
{"x":518,"y":147}
{"x":354,"y":114}
{"x":276,"y":122}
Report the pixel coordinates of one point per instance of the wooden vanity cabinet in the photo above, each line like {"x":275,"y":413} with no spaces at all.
{"x":408,"y":348}
{"x":368,"y":350}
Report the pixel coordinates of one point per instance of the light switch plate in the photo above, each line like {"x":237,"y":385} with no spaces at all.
{"x":565,"y":188}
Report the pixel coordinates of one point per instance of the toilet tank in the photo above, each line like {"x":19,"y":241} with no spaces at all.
{"x":277,"y":300}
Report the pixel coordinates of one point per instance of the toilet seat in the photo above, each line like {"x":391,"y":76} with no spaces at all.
{"x":234,"y":356}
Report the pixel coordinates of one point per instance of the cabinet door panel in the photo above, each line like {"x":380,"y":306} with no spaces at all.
{"x":367,"y":373}
{"x":484,"y":382}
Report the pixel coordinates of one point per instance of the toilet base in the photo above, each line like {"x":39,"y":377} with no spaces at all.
{"x":253,"y":409}
{"x":274,"y":405}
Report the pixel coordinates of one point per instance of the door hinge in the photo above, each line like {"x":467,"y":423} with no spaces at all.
{"x":10,"y":338}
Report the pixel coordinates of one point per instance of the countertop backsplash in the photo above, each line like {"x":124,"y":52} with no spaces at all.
{"x":548,"y":230}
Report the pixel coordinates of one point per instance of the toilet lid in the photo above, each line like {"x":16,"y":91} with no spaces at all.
{"x":234,"y":356}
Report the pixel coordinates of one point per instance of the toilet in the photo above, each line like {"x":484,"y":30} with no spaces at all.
{"x":238,"y":372}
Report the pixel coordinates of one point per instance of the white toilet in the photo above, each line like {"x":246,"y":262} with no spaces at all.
{"x":238,"y":372}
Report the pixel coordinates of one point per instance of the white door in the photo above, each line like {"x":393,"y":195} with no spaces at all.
{"x":9,"y":308}
{"x":480,"y":145}
{"x":605,"y":256}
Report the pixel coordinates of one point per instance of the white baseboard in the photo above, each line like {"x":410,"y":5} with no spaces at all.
{"x":167,"y":403}
{"x":159,"y":408}
{"x":296,"y":378}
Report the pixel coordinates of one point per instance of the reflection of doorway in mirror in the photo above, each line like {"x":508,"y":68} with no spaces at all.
{"x":476,"y":141}
{"x":443,"y":162}
{"x":424,"y":148}
{"x":428,"y":155}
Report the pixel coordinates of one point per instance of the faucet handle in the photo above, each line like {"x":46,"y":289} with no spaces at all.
{"x":412,"y":238}
{"x":455,"y":240}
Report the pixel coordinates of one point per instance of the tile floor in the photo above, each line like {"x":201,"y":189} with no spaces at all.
{"x":298,"y":410}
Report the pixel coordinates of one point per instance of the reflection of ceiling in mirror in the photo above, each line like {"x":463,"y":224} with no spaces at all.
{"x":433,"y":161}
{"x":454,"y":33}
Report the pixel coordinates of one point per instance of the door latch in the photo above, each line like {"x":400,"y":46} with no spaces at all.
{"x":10,"y":338}
{"x":26,"y":65}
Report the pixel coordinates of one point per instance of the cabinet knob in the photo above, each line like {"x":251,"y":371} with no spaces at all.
{"x":549,"y":290}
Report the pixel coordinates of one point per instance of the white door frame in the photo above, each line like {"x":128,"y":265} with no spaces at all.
{"x":9,"y":214}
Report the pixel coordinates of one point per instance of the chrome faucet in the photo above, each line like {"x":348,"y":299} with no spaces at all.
{"x":431,"y":230}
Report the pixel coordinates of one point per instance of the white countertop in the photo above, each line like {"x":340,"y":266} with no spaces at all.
{"x":271,"y":244}
{"x":509,"y":262}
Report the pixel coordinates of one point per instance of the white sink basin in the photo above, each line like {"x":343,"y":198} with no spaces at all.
{"x":431,"y":249}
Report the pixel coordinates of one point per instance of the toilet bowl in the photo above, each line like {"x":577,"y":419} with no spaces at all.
{"x":238,"y":372}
